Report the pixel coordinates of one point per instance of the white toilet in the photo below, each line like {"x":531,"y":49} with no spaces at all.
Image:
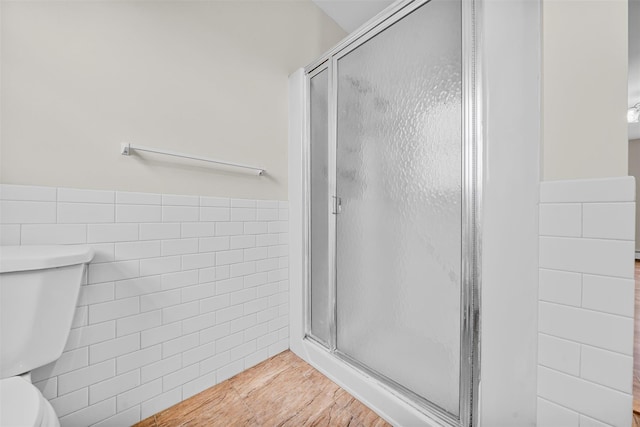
{"x":39,"y":288}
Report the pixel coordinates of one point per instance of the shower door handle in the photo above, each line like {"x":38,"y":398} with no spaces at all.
{"x":337,"y":205}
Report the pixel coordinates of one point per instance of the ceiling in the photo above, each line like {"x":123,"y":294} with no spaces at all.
{"x":351,"y":14}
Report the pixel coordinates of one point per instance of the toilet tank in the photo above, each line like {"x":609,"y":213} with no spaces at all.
{"x":39,"y":287}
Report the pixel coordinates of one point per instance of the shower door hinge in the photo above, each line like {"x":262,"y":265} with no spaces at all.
{"x":337,"y":205}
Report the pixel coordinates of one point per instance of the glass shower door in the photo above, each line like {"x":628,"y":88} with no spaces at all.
{"x":399,"y":176}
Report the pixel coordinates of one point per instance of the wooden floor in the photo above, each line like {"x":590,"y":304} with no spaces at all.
{"x":281,"y":391}
{"x":636,"y":352}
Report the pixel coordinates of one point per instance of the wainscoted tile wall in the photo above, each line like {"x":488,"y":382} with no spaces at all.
{"x":184,"y":292}
{"x":586,"y":302}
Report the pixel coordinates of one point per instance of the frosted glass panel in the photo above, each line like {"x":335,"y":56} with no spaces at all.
{"x":319,"y":206}
{"x":399,"y":171}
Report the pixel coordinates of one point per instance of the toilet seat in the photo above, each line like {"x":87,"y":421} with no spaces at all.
{"x":49,"y":417}
{"x":22,"y":405}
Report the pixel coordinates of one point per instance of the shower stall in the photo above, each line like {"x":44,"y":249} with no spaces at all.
{"x":413,"y":190}
{"x":391,"y":207}
{"x":414,"y":172}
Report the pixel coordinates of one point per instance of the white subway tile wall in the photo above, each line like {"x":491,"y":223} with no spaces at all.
{"x":586,"y":300}
{"x":183,"y":293}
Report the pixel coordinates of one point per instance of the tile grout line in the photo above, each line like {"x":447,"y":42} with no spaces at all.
{"x":585,"y":309}
{"x":585,"y":380}
{"x":581,"y":219}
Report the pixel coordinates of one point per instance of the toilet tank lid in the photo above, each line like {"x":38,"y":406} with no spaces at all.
{"x":23,"y":258}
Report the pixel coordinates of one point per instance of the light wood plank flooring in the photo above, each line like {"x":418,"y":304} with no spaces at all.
{"x":281,"y":391}
{"x":636,"y":351}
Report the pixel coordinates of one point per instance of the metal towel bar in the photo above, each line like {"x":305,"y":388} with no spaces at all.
{"x":126,"y":148}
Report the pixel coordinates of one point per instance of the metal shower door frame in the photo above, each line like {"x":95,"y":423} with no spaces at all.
{"x":471,"y":207}
{"x":306,"y":153}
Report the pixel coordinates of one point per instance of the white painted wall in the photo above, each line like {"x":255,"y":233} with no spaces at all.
{"x":203,"y":77}
{"x":584,"y":88}
{"x":634,"y":63}
{"x":509,"y":273}
{"x":634,"y":170}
